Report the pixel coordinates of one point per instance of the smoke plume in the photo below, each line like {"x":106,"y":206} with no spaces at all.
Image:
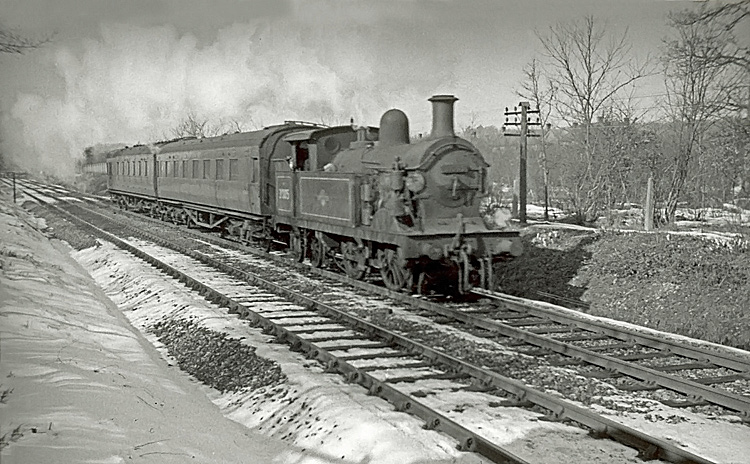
{"x":135,"y":84}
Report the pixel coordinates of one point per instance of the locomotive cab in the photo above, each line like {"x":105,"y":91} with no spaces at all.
{"x":313,"y":149}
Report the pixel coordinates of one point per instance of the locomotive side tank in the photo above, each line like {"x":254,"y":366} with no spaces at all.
{"x":410,"y":210}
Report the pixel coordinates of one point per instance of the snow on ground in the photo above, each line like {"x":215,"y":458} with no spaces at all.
{"x":504,"y":425}
{"x":78,"y":384}
{"x":320,"y":412}
{"x":315,"y":411}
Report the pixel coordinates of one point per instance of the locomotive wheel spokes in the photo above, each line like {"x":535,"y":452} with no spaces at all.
{"x":393,"y":270}
{"x":354,"y":260}
{"x":317,"y":252}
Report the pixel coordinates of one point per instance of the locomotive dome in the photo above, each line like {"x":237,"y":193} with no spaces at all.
{"x":394,"y":128}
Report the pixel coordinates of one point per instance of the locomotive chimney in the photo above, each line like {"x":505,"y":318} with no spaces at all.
{"x":442,"y":115}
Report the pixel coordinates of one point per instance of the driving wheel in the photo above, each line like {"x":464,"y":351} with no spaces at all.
{"x":393,"y":270}
{"x":317,"y":252}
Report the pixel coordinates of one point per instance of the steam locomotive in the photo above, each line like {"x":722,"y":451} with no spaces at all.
{"x":364,"y":198}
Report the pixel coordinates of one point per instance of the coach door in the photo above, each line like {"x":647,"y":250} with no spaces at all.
{"x":273,"y":149}
{"x":253,"y":180}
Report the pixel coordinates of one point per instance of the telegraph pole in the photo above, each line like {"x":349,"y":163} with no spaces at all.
{"x":524,"y":134}
{"x":522,"y":163}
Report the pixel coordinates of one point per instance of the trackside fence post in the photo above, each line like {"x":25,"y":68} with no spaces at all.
{"x":648,"y":211}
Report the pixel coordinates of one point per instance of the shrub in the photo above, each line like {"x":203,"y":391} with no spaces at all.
{"x":682,"y":284}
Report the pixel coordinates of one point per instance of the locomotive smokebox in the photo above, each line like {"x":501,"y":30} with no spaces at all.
{"x":442,"y":115}
{"x":394,"y":128}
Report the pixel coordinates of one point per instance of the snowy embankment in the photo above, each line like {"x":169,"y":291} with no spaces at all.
{"x":78,"y":384}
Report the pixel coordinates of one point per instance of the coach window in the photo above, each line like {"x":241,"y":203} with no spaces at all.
{"x":196,"y":166}
{"x":128,"y":168}
{"x":166,"y":169}
{"x":206,"y":168}
{"x":256,"y":168}
{"x":220,"y":169}
{"x":145,"y":168}
{"x":184,"y":168}
{"x":233,"y":167}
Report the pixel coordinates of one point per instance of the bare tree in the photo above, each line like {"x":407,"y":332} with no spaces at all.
{"x":588,"y":68}
{"x":192,"y":125}
{"x":701,"y":84}
{"x":232,"y":126}
{"x":729,"y":17}
{"x":541,"y":94}
{"x":12,"y":42}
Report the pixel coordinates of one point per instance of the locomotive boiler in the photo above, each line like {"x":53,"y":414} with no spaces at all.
{"x":410,"y":210}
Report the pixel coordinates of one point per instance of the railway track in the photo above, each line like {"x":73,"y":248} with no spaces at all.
{"x":638,"y":361}
{"x":378,"y":358}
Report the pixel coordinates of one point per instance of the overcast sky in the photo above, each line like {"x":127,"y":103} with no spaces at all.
{"x":128,"y":71}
